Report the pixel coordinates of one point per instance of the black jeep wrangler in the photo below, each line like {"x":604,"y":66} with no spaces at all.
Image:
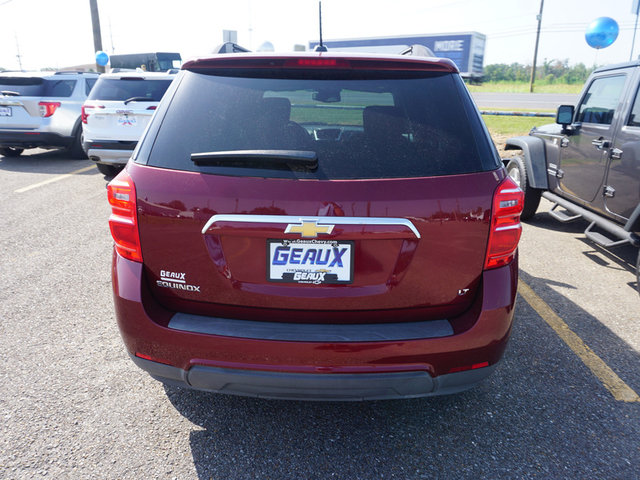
{"x":588,"y":163}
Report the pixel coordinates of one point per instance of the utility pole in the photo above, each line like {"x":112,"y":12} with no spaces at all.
{"x":97,"y":36}
{"x":535,"y":52}
{"x":18,"y":56}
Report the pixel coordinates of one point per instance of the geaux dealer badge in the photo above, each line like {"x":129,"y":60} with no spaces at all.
{"x":309,"y":260}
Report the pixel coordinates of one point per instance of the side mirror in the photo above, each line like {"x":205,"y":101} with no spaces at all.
{"x":564,"y":116}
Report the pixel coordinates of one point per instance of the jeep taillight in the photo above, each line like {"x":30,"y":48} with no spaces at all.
{"x":48,"y":108}
{"x":508,"y":202}
{"x":123,"y":221}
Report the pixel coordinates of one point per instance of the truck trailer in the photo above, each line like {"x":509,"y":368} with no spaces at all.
{"x":465,"y":49}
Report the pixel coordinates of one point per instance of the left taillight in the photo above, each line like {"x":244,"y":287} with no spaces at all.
{"x":48,"y":108}
{"x":508,"y":202}
{"x":123,"y":221}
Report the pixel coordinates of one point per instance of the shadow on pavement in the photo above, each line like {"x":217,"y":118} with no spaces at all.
{"x":44,"y":161}
{"x":619,"y":258}
{"x":543,"y":414}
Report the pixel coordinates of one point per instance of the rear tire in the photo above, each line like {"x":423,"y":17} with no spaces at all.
{"x":75,"y":149}
{"x":108,"y":170}
{"x":638,"y":272}
{"x":518,"y":173}
{"x":11,"y":151}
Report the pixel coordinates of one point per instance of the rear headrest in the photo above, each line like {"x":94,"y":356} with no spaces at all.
{"x":278,"y":109}
{"x":383,"y":121}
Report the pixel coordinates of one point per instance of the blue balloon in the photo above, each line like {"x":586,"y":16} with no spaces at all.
{"x":602,"y":32}
{"x":102,"y":58}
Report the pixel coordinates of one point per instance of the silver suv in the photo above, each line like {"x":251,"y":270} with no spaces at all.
{"x":42,"y":110}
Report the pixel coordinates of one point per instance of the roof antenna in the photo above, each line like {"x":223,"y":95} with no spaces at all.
{"x":320,"y":47}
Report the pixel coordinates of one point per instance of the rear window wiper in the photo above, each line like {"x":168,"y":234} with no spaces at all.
{"x":138,"y":99}
{"x":10,"y":93}
{"x":258,"y":158}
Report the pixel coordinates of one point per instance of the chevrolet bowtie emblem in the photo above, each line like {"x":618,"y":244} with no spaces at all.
{"x":309,"y":228}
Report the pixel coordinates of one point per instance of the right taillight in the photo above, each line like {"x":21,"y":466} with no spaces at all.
{"x":508,"y":202}
{"x":85,"y":114}
{"x":123,"y":221}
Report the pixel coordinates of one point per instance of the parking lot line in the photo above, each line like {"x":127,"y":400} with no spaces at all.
{"x":54,"y":179}
{"x":616,"y":386}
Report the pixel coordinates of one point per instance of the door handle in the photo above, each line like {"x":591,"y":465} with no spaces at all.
{"x":600,"y":143}
{"x":616,"y":153}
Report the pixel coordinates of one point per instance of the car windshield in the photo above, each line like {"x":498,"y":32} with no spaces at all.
{"x":379,"y":128}
{"x":120,"y":89}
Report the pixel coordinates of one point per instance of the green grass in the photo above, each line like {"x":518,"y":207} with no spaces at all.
{"x":513,"y":126}
{"x":523,"y":87}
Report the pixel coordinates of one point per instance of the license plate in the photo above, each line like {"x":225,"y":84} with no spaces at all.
{"x":127,"y":121}
{"x":5,"y":112}
{"x":315,"y":262}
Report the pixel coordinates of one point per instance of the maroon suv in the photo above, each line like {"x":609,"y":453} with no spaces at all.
{"x":316,"y":226}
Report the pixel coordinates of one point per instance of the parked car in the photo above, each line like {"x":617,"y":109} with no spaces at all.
{"x":316,"y":226}
{"x":588,"y":163}
{"x":117,"y":112}
{"x":42,"y":110}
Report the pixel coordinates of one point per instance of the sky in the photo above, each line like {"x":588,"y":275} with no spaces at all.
{"x":58,"y":33}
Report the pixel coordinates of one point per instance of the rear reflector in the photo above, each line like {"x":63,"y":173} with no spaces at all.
{"x":475,"y":366}
{"x":48,"y":108}
{"x":123,"y":221}
{"x":150,"y":358}
{"x":508,"y":202}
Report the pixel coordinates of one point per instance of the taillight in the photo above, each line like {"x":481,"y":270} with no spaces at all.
{"x":318,"y":62}
{"x":85,"y":114}
{"x":123,"y":221}
{"x":508,"y":202}
{"x":152,"y":107}
{"x":48,"y":108}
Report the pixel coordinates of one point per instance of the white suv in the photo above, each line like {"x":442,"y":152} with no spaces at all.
{"x":116,"y":113}
{"x":42,"y":110}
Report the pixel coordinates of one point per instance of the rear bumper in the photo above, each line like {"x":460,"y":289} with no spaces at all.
{"x":109,"y":152}
{"x":33,"y":139}
{"x":300,"y":363}
{"x":313,"y":386}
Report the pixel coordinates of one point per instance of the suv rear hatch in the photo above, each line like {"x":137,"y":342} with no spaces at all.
{"x":276,"y":191}
{"x":25,"y":100}
{"x":120,"y":108}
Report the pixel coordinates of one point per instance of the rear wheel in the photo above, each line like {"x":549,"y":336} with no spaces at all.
{"x":518,"y":173}
{"x":638,"y":272}
{"x":108,"y":170}
{"x":75,"y":149}
{"x":11,"y":151}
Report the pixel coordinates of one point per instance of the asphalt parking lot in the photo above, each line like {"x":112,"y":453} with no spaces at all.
{"x":563,"y":404}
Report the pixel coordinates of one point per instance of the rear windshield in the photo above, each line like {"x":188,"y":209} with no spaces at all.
{"x":358,"y":128}
{"x":36,"y":87}
{"x":120,"y":89}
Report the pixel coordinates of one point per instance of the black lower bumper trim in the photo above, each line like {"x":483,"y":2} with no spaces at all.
{"x":315,"y":386}
{"x":33,"y":140}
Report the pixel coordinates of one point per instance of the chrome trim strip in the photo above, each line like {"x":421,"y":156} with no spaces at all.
{"x":239,"y":218}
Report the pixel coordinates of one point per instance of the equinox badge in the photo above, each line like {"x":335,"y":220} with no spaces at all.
{"x":309,"y":228}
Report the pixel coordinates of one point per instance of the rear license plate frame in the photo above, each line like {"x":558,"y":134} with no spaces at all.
{"x":6,"y":112}
{"x":310,"y":272}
